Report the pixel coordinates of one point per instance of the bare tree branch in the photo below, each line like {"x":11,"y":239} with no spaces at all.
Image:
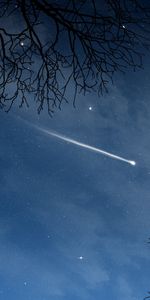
{"x":60,"y":45}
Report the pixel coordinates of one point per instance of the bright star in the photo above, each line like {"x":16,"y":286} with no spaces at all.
{"x":80,"y":257}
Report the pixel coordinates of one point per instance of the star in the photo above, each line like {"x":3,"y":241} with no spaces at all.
{"x":80,"y":257}
{"x":90,"y":108}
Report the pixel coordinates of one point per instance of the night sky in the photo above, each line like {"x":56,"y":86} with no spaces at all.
{"x":74,"y":224}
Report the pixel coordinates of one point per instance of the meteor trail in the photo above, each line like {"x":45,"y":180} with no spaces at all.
{"x":64,"y":138}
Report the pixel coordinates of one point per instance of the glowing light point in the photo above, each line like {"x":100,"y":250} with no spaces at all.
{"x":90,"y":107}
{"x":80,"y":257}
{"x":132,"y":162}
{"x":22,"y":44}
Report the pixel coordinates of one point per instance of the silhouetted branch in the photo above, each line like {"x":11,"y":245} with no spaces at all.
{"x":60,"y":44}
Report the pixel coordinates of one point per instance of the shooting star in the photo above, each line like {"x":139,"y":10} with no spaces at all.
{"x":72,"y":141}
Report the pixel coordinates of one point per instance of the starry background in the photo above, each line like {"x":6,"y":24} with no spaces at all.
{"x":74,"y":224}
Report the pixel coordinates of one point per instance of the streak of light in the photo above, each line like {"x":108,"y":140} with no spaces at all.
{"x":98,"y":150}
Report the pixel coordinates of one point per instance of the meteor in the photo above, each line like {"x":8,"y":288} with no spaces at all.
{"x":72,"y":141}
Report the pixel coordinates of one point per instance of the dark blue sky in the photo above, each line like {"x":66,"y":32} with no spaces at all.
{"x":60,"y":203}
{"x":74,"y":224}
